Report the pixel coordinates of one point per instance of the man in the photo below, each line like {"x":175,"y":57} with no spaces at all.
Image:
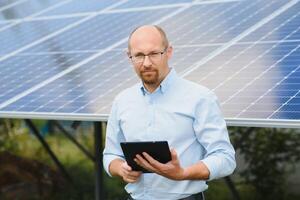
{"x":166,"y":107}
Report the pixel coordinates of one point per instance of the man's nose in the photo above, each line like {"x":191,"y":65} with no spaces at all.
{"x":147,"y":62}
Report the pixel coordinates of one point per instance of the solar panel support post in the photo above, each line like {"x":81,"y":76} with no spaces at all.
{"x":72,"y":139}
{"x":233,"y":190}
{"x":35,"y":131}
{"x":99,"y":190}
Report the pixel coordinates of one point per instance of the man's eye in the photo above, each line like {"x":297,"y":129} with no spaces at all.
{"x":139,"y":56}
{"x":154,"y":54}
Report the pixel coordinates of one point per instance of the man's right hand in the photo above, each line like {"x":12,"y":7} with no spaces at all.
{"x":128,"y":175}
{"x":121,"y":168}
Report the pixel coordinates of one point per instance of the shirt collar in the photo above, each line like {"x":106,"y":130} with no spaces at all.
{"x":164,"y":85}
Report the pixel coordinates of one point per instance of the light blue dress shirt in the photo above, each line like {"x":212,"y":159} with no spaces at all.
{"x":185,"y":114}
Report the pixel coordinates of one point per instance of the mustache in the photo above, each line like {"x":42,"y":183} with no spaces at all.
{"x":148,"y":70}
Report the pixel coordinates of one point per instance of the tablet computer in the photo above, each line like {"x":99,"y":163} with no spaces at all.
{"x":159,"y":150}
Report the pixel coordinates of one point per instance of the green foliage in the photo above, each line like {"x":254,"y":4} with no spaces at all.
{"x":16,"y":138}
{"x":270,"y":155}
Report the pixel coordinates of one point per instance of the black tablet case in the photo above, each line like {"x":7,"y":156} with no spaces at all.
{"x":159,"y":150}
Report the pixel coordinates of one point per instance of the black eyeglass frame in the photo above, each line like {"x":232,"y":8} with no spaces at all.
{"x":149,"y":56}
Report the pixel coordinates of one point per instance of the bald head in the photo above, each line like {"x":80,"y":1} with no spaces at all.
{"x":147,"y":30}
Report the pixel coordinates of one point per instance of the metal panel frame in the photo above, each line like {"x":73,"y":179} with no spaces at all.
{"x":244,"y":122}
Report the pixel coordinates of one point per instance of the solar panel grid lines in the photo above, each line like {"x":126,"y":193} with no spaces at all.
{"x":101,"y":12}
{"x":62,"y":73}
{"x":92,"y":77}
{"x":222,"y":21}
{"x":204,"y":11}
{"x":241,"y":21}
{"x":78,"y":7}
{"x":49,"y":18}
{"x":257,"y":58}
{"x":128,"y":81}
{"x":253,"y":81}
{"x":270,"y":90}
{"x":280,"y":32}
{"x":240,"y":37}
{"x":10,"y":4}
{"x":117,"y":10}
{"x":107,"y":28}
{"x":53,"y":34}
{"x":237,"y":72}
{"x":16,"y":22}
{"x":14,"y":39}
{"x":252,"y":46}
{"x":192,"y":18}
{"x":287,"y":102}
{"x":27,"y":8}
{"x":137,"y":3}
{"x":4,"y":104}
{"x":16,"y":72}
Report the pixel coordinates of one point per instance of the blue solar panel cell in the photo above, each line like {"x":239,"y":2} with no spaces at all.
{"x":79,"y":6}
{"x":83,"y":89}
{"x":282,"y":27}
{"x":291,"y":115}
{"x":6,"y":3}
{"x":145,"y":3}
{"x":255,"y":71}
{"x":29,"y":32}
{"x":100,"y":32}
{"x":24,"y":72}
{"x":226,"y":21}
{"x":3,"y":25}
{"x":28,"y":8}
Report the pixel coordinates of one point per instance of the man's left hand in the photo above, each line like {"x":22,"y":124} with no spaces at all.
{"x":171,"y":169}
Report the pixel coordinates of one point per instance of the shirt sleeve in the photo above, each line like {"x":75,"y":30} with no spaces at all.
{"x":212,"y":134}
{"x":114,"y":136}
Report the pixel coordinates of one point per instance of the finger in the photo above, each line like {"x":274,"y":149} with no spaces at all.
{"x":130,"y":176}
{"x":173,"y":154}
{"x":126,"y":167}
{"x":152,"y":161}
{"x":135,"y":174}
{"x":130,"y":180}
{"x":144,"y":163}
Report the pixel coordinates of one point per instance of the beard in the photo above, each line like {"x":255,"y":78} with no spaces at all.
{"x":150,"y":77}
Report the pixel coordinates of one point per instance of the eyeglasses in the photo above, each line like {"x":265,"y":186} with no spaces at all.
{"x":153,"y":56}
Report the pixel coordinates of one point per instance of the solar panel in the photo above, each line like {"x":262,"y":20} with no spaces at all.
{"x":79,"y":6}
{"x":25,"y":8}
{"x":137,"y":3}
{"x":26,"y":33}
{"x":99,"y":32}
{"x":23,"y":72}
{"x":245,"y":51}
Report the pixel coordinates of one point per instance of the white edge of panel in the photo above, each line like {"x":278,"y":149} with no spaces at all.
{"x":54,"y":116}
{"x":244,"y":122}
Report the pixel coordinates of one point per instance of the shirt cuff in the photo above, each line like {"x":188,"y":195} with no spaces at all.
{"x":213,"y":163}
{"x":107,"y":160}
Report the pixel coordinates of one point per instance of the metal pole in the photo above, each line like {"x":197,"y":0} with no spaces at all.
{"x":98,"y":156}
{"x":232,"y":188}
{"x":70,"y":137}
{"x":229,"y":182}
{"x":47,"y":148}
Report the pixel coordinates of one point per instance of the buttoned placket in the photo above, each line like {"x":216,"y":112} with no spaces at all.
{"x":151,"y":104}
